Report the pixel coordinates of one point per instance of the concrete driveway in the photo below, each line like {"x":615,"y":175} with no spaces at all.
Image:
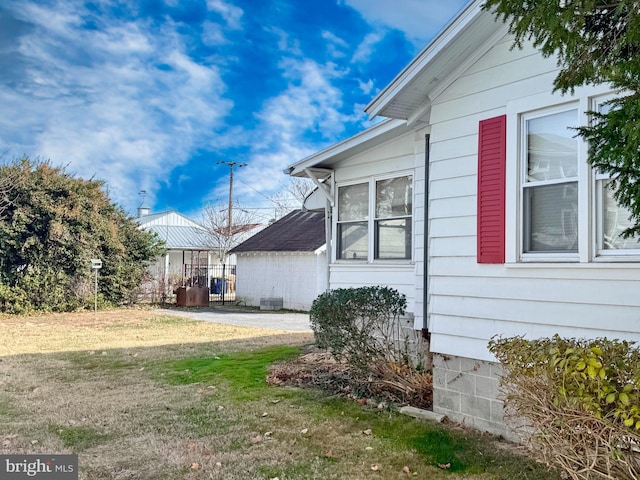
{"x":293,"y":322}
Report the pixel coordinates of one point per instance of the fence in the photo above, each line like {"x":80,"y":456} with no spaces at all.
{"x":221,"y":280}
{"x":161,"y":286}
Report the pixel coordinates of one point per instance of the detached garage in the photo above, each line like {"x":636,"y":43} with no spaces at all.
{"x":284,"y":265}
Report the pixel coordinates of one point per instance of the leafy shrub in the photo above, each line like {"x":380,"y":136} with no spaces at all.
{"x":576,"y":401}
{"x":359,"y":324}
{"x":51,"y":225}
{"x":13,"y":300}
{"x":363,"y":327}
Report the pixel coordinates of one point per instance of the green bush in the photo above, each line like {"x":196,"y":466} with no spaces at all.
{"x":360,"y":325}
{"x":51,"y":225}
{"x":577,"y":401}
{"x":13,"y":300}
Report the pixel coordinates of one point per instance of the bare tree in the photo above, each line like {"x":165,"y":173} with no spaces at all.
{"x":300,"y":188}
{"x":291,"y":197}
{"x":224,"y":237}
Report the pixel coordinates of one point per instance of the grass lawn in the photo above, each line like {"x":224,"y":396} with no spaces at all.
{"x":143,"y":396}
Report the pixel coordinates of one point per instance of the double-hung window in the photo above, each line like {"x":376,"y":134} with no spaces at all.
{"x":375,"y":219}
{"x":353,"y":222}
{"x":393,"y":218}
{"x":549,"y":186}
{"x":563,"y":211}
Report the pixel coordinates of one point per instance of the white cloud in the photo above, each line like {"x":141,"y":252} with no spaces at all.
{"x":285,"y":43}
{"x":212,"y":34}
{"x":366,"y":47}
{"x":335,"y":45}
{"x":366,"y":87}
{"x":124,"y":103}
{"x":310,"y":103}
{"x":231,"y":14}
{"x":420,"y":20}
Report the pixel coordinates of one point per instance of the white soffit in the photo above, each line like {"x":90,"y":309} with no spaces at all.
{"x":372,"y":137}
{"x":412,"y":88}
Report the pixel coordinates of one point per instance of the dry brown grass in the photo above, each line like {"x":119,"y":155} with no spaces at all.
{"x":87,"y":374}
{"x":121,"y":328}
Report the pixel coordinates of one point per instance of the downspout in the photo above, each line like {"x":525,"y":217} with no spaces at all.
{"x":425,"y":301}
{"x":327,"y":238}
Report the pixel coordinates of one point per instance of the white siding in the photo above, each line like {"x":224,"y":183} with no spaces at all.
{"x":402,"y":278}
{"x":470,"y":303}
{"x":403,"y":154}
{"x":297,"y":278}
{"x":169,"y":218}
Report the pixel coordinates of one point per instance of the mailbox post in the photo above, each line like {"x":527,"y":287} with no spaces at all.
{"x":96,"y":264}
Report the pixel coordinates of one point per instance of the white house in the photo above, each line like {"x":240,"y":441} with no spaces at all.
{"x":507,"y":231}
{"x":284,"y":265}
{"x":190,"y":259}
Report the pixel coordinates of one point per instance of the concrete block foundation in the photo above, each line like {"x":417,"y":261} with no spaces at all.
{"x":467,"y":391}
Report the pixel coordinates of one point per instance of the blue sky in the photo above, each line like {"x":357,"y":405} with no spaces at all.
{"x":150,"y":95}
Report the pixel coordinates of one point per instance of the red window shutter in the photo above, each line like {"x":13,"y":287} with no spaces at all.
{"x":492,"y":159}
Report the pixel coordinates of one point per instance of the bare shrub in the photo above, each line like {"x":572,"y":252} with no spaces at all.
{"x":575,"y":403}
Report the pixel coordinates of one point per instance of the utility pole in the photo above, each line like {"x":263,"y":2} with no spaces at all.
{"x":231,"y":165}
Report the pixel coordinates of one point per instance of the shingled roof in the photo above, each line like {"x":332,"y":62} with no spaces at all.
{"x":297,"y":232}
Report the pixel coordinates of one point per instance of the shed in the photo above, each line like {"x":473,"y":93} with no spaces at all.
{"x":284,"y":265}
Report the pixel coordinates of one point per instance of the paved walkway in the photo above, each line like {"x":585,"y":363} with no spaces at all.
{"x":294,"y":322}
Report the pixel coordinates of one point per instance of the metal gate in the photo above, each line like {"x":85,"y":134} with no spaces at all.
{"x":220,"y":279}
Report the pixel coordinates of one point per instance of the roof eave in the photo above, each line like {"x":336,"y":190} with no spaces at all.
{"x":368,"y":138}
{"x":423,"y":61}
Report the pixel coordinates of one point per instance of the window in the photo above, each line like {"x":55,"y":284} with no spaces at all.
{"x":538,"y":200}
{"x":612,"y":219}
{"x":393,"y":218}
{"x":353,"y":215}
{"x":558,"y":208}
{"x":375,"y":217}
{"x":550,"y":183}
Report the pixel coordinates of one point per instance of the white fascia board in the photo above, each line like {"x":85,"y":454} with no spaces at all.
{"x":426,"y":56}
{"x":359,"y":142}
{"x":320,"y":250}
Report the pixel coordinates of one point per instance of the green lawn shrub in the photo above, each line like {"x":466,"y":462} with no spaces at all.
{"x":360,"y":325}
{"x":364,"y":328}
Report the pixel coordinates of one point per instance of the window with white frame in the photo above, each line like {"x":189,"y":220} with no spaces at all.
{"x":567,"y":211}
{"x":612,"y":219}
{"x":353,"y":222}
{"x":550,"y":183}
{"x":375,"y":219}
